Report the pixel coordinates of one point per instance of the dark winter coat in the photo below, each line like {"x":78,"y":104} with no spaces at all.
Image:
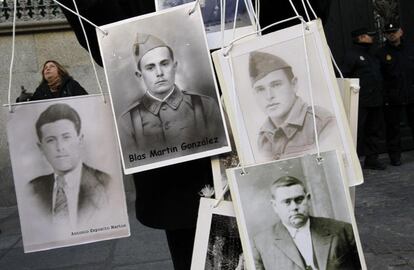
{"x":69,"y":87}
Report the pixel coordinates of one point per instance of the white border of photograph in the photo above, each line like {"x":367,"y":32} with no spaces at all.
{"x":126,"y":28}
{"x":208,"y":208}
{"x":215,"y":38}
{"x":337,"y":189}
{"x":98,"y":151}
{"x":349,"y":88}
{"x":245,"y":149}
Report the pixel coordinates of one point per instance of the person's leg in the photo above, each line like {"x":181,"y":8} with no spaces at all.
{"x":409,"y":110}
{"x":180,"y":243}
{"x":393,"y":133}
{"x":362,"y":116}
{"x":372,"y":138}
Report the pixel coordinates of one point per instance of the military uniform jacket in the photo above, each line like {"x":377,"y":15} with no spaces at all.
{"x":297,"y":134}
{"x":361,"y":63}
{"x":397,"y":66}
{"x":333,"y":244}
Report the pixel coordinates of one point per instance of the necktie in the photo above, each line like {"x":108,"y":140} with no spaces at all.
{"x":61,"y":203}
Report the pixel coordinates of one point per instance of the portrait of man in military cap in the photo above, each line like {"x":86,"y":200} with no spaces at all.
{"x":172,"y":110}
{"x":289,"y":127}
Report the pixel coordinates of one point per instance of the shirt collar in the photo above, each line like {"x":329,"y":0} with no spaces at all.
{"x":295,"y":119}
{"x":293,"y":231}
{"x":153,"y":104}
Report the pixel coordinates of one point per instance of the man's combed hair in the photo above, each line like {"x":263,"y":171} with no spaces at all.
{"x":57,"y":112}
{"x":286,"y":181}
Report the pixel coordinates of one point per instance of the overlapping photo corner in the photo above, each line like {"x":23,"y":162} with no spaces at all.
{"x":189,"y":123}
{"x":273,"y":201}
{"x":63,"y":138}
{"x":248,"y":64}
{"x":211,"y":13}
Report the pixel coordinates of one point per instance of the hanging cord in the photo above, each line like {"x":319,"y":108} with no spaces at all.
{"x":257,"y":8}
{"x":236,"y":106}
{"x":12,"y":55}
{"x":234,"y":20}
{"x":222,"y":20}
{"x":311,"y":9}
{"x":89,"y":50}
{"x":306,"y":10}
{"x":227,"y":49}
{"x":80,"y":16}
{"x":221,"y":198}
{"x":192,"y":10}
{"x":294,"y":8}
{"x":252,"y":14}
{"x":315,"y":130}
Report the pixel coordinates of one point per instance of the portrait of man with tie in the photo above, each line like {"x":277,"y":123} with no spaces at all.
{"x":288,"y":128}
{"x":74,"y":193}
{"x":299,"y":240}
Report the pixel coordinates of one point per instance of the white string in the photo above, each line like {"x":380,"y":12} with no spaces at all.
{"x":222,"y":20}
{"x":229,"y":47}
{"x":221,"y":198}
{"x":335,"y":64}
{"x":294,"y":8}
{"x":306,"y":10}
{"x":258,"y":11}
{"x":80,"y":16}
{"x":236,"y":105}
{"x":90,"y":53}
{"x":191,"y":11}
{"x":12,"y":55}
{"x":311,"y":9}
{"x":235,"y":20}
{"x":304,"y":26}
{"x":254,"y":16}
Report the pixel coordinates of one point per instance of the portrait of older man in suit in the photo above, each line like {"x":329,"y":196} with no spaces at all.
{"x":300,"y":241}
{"x":74,"y":193}
{"x":289,"y":127}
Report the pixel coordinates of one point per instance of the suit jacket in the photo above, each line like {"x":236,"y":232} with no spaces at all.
{"x":333,"y":246}
{"x":92,"y":193}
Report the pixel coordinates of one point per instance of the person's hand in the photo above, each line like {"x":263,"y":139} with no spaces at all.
{"x":24,"y":95}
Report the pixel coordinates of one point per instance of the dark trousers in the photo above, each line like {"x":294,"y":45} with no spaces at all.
{"x":393,"y":117}
{"x":180,"y":243}
{"x":370,"y":129}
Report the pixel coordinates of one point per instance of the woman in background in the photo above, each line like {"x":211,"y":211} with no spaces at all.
{"x":56,"y":82}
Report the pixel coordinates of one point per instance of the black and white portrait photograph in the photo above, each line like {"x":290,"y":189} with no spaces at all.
{"x":217,"y":244}
{"x":163,"y":89}
{"x":281,"y":94}
{"x":212,"y":15}
{"x":67,"y":172}
{"x":296,"y":214}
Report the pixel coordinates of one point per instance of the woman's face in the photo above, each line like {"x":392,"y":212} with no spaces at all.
{"x":50,"y":71}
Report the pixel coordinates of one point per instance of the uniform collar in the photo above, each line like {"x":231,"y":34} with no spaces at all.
{"x":295,"y":119}
{"x":154,"y":105}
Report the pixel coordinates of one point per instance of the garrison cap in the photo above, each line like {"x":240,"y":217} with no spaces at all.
{"x":391,"y":27}
{"x":144,"y":43}
{"x":261,"y":64}
{"x":362,"y":31}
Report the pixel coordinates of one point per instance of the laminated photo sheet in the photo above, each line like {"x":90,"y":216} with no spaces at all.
{"x":349,"y":88}
{"x":45,"y":142}
{"x":211,"y":13}
{"x":217,"y":242}
{"x":328,"y":209}
{"x":187,"y":123}
{"x":219,"y":164}
{"x":247,"y":117}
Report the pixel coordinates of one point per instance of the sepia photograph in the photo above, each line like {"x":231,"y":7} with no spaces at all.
{"x":217,"y":243}
{"x":163,"y":90}
{"x":280,"y":108}
{"x":68,"y":178}
{"x":212,"y":15}
{"x":296,"y":214}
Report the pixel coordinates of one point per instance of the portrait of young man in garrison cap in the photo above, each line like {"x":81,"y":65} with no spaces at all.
{"x":166,"y":113}
{"x":288,"y":128}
